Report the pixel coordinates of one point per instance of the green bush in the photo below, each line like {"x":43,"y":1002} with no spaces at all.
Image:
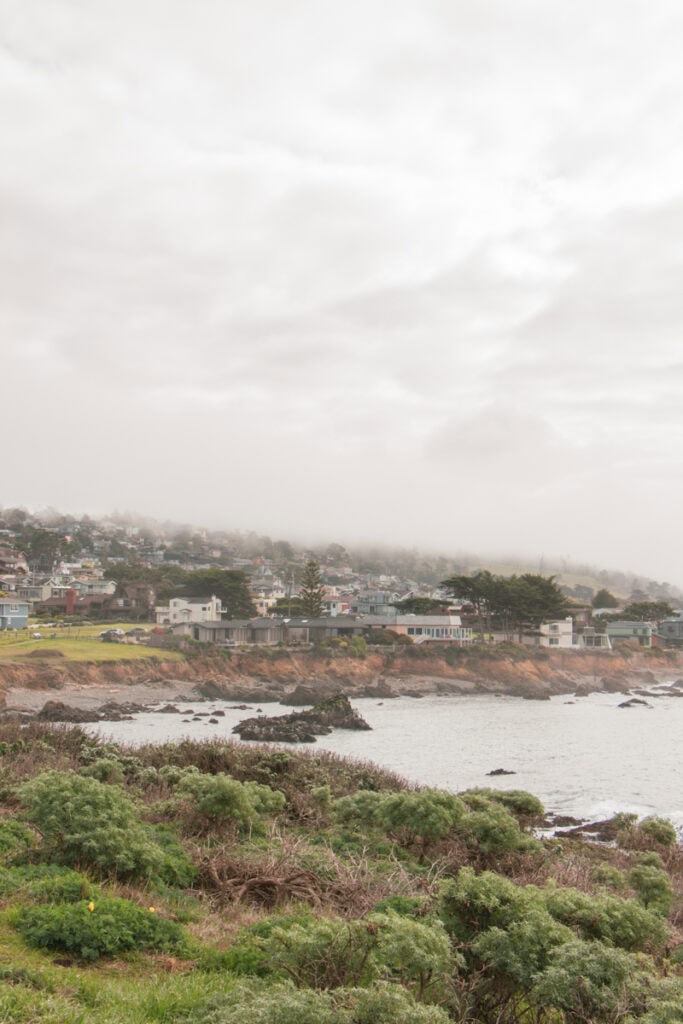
{"x":105,"y":769}
{"x":521,"y":803}
{"x":518,"y":801}
{"x":332,"y":953}
{"x":653,"y":888}
{"x":607,"y":875}
{"x":85,"y":823}
{"x":44,"y":883}
{"x":258,"y":1003}
{"x":471,"y":903}
{"x":362,"y":807}
{"x":324,"y":953}
{"x":406,"y":906}
{"x":590,"y":981}
{"x":417,"y":954}
{"x":220,"y":798}
{"x":420,"y":816}
{"x":428,"y":814}
{"x":611,"y":919}
{"x":659,"y":830}
{"x":651,"y":833}
{"x":176,"y":868}
{"x":494,"y":829}
{"x":15,"y":839}
{"x":523,"y":949}
{"x":106,"y":927}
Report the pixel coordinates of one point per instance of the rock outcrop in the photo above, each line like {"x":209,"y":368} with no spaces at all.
{"x":303,"y":726}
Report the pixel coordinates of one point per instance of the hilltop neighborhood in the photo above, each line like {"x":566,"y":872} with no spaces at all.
{"x":109,"y":571}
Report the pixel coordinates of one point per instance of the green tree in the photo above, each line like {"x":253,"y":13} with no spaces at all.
{"x":604,"y":599}
{"x":311,"y":589}
{"x":230,"y":585}
{"x":647,"y":611}
{"x":289,"y":606}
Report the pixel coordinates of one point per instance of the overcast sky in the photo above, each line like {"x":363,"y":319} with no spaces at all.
{"x":402,"y":271}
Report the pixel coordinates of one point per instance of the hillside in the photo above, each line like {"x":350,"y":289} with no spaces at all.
{"x":216,"y":883}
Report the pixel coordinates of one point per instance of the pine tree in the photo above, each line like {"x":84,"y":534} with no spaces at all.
{"x":311,"y":591}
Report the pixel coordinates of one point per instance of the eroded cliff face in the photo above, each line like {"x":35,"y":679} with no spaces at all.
{"x":272,"y":673}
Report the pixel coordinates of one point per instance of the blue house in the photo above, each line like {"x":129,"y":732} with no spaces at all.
{"x":13,"y":613}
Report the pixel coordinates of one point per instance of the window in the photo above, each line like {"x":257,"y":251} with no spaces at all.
{"x":554,"y":641}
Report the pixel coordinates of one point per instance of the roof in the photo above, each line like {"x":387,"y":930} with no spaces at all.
{"x":627,"y":624}
{"x":222,"y":624}
{"x":413,"y":620}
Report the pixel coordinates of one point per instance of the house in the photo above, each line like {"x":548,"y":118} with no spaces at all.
{"x":89,"y":586}
{"x":671,"y":630}
{"x":223,"y":631}
{"x":12,"y":561}
{"x":424,"y":628}
{"x":373,"y":602}
{"x":557,"y":633}
{"x":13,"y":613}
{"x":189,"y":609}
{"x":302,"y":630}
{"x":590,"y":639}
{"x":620,"y":631}
{"x":336,"y":606}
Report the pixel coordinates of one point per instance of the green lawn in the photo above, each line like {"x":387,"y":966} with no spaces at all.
{"x":77,"y":643}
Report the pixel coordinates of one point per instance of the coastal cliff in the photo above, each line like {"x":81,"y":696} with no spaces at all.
{"x":275,"y":673}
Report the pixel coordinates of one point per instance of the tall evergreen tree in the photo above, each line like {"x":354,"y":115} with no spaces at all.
{"x":311,"y":591}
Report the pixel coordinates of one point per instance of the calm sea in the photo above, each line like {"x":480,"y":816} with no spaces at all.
{"x":583,"y":756}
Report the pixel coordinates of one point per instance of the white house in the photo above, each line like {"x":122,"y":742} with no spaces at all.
{"x":557,"y":633}
{"x":189,"y":609}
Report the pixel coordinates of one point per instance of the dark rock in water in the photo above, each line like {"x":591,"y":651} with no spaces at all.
{"x":563,"y":821}
{"x":415,"y":694}
{"x":604,"y":831}
{"x":535,"y":696}
{"x":501,"y":771}
{"x":303,"y":726}
{"x":218,"y":714}
{"x":169,"y":709}
{"x":113,"y":712}
{"x":213,"y":721}
{"x":240,"y":707}
{"x":56,"y":711}
{"x":633,"y":703}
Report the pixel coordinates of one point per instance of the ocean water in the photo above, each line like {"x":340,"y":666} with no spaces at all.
{"x":583,"y":756}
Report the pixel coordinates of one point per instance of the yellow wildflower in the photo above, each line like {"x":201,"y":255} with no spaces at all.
{"x":91,"y":906}
{"x":152,"y":910}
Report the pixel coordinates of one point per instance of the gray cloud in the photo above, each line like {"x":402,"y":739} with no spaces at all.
{"x":404,"y":272}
